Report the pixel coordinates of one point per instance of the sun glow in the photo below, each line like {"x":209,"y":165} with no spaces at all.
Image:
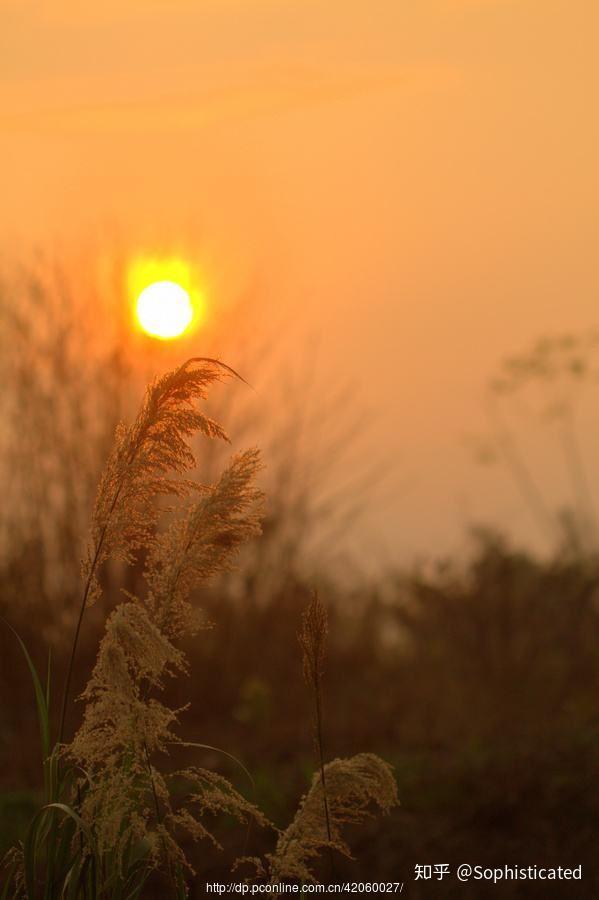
{"x":166,"y":301}
{"x":164,"y":309}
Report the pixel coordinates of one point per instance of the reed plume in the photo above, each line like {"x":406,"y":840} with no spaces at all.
{"x":356,"y":787}
{"x":201,"y":543}
{"x":126,"y":798}
{"x":120,"y":821}
{"x":343,"y":792}
{"x":312,"y":638}
{"x":147,"y":461}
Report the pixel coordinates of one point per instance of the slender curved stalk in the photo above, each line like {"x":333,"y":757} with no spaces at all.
{"x":159,"y":815}
{"x":86,"y":590}
{"x":312,"y":638}
{"x":67,"y":686}
{"x":320,"y":743}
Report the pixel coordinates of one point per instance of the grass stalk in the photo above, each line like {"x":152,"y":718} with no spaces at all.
{"x":312,"y":638}
{"x":85,"y":596}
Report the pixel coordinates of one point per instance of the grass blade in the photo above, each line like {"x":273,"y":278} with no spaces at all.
{"x":48,"y":674}
{"x":9,"y":877}
{"x":40,"y":697}
{"x":217,"y":750}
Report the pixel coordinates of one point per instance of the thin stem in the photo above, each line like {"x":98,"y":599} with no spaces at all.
{"x":159,"y":815}
{"x":320,"y":744}
{"x":81,"y":837}
{"x":88,"y":584}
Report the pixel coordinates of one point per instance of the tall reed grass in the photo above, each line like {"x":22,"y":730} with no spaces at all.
{"x":113,"y":818}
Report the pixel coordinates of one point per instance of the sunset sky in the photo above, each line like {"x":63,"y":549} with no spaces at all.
{"x":414,"y":184}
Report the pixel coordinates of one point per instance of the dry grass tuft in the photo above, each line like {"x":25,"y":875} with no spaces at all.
{"x":120,"y":822}
{"x":202,"y":543}
{"x":355,"y":787}
{"x":343,"y":792}
{"x":148,"y":460}
{"x":127,"y":798}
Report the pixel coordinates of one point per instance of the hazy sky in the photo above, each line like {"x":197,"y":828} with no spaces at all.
{"x":415,"y":182}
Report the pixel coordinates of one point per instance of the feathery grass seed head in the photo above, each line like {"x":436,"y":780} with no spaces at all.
{"x":148,"y":460}
{"x":313,"y":640}
{"x":126,"y":798}
{"x":354,"y":787}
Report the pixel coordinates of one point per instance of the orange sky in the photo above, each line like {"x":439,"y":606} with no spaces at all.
{"x":415,"y":182}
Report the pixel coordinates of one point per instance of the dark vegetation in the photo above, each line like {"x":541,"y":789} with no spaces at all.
{"x":479,"y":686}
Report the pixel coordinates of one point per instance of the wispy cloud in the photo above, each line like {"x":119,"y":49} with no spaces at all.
{"x":264,"y":91}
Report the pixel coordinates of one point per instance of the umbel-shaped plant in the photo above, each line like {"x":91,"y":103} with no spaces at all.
{"x":109,"y":820}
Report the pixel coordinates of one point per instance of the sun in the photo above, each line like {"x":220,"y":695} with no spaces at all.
{"x":166,"y":300}
{"x":164,"y":310}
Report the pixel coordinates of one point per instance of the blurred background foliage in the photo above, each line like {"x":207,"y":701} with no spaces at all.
{"x":477,"y":677}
